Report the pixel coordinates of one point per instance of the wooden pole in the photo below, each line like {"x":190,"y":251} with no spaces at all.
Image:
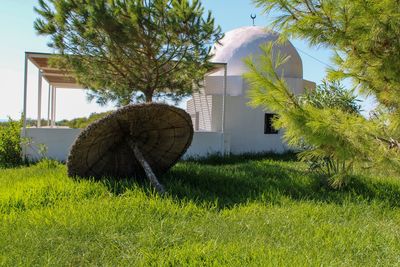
{"x":147,"y":168}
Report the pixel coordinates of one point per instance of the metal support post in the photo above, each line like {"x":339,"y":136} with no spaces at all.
{"x":49,"y":105}
{"x":39,"y":114}
{"x":224,"y":108}
{"x":23,"y":134}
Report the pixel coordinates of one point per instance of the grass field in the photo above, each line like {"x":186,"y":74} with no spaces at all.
{"x":238,"y":211}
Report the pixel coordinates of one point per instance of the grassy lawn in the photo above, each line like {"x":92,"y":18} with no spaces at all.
{"x":240,"y":211}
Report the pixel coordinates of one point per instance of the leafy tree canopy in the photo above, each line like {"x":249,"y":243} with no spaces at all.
{"x":130,"y":50}
{"x":332,"y":95}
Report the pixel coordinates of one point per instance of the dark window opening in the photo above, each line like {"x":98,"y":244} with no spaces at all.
{"x":268,"y":127}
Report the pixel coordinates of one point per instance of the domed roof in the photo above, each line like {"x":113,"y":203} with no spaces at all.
{"x":242,"y":42}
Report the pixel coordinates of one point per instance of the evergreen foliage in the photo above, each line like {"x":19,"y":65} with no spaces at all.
{"x":337,"y":137}
{"x":133,"y":50}
{"x":328,"y":95}
{"x":363,"y":36}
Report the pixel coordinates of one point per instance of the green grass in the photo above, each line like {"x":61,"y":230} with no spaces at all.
{"x":239,"y":211}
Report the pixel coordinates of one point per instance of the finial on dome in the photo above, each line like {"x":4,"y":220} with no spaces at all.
{"x":253,"y":17}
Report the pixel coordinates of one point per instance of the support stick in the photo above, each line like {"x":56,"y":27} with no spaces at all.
{"x":146,"y":167}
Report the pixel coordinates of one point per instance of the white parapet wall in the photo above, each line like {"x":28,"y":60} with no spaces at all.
{"x":57,"y":141}
{"x":207,"y":143}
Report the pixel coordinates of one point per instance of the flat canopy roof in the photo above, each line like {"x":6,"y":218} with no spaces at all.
{"x":55,"y":77}
{"x":63,"y":79}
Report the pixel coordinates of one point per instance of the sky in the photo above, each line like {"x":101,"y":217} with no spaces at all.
{"x":18,"y":36}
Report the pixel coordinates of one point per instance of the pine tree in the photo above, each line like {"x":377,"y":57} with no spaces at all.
{"x":336,"y":134}
{"x":130,"y":50}
{"x":364,"y":35}
{"x":365,"y":38}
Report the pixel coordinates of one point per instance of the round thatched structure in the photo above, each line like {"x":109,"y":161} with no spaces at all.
{"x":106,"y":148}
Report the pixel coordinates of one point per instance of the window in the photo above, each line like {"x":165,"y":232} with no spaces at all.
{"x":268,"y":127}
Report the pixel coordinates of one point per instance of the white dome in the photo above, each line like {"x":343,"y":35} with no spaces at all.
{"x":242,"y":42}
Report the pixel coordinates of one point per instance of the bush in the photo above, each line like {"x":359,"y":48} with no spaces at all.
{"x":80,"y":123}
{"x":10,"y":144}
{"x":332,"y":94}
{"x":329,"y":94}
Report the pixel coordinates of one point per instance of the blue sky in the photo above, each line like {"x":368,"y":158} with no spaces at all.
{"x":18,"y":36}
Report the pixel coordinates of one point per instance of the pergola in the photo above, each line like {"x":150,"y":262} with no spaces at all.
{"x":57,"y":79}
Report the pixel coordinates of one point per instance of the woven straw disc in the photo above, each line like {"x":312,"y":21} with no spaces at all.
{"x":162,"y":133}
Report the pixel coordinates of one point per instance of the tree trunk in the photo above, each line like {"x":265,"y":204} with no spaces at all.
{"x":149,"y":96}
{"x":147,"y":168}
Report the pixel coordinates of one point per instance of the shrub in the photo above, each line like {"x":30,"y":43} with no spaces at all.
{"x":80,"y":123}
{"x":10,"y":144}
{"x":332,"y":94}
{"x":329,"y":94}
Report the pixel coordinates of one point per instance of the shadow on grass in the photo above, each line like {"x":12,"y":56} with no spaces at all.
{"x":269,"y":179}
{"x":218,"y":160}
{"x":235,"y":180}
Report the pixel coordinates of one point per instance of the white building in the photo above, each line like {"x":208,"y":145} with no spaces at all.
{"x":223,"y":121}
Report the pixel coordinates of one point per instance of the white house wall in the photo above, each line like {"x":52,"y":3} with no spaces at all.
{"x":237,"y":85}
{"x":309,"y":85}
{"x":298,"y":85}
{"x":205,"y":143}
{"x":216,"y":125}
{"x":243,"y":124}
{"x":58,"y":142}
{"x":202,"y":104}
{"x":245,"y":127}
{"x":214,"y":85}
